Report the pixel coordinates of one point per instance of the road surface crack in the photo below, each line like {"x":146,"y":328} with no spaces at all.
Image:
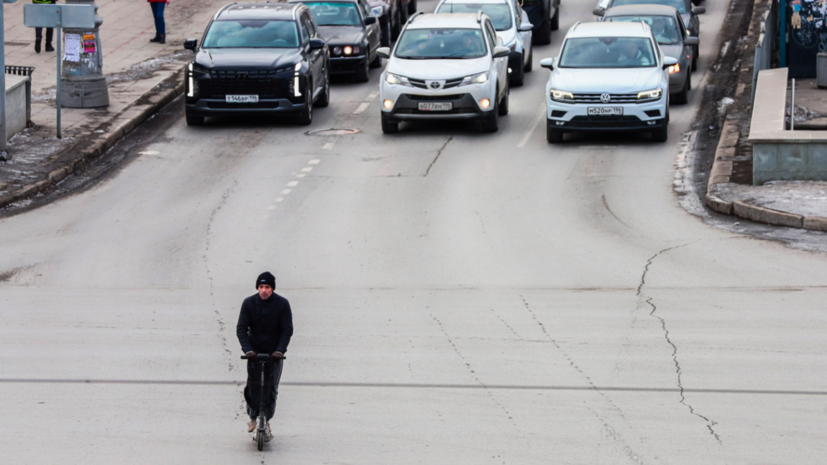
{"x":439,"y":152}
{"x":710,"y":424}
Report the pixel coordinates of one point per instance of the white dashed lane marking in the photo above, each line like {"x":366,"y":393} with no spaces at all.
{"x":533,"y":126}
{"x":328,"y":146}
{"x":361,"y":108}
{"x":307,"y":169}
{"x":313,"y":162}
{"x":286,"y":191}
{"x":293,"y":183}
{"x":372,"y":96}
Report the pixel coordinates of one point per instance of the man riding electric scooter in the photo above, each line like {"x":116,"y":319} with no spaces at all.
{"x":265,"y":326}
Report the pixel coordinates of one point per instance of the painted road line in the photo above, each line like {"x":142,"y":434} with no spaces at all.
{"x":300,"y":175}
{"x":271,"y":207}
{"x":533,"y":126}
{"x":307,"y":169}
{"x":285,"y":191}
{"x":328,"y":146}
{"x":279,"y":199}
{"x":361,"y":108}
{"x":314,"y":162}
{"x":293,"y":183}
{"x":373,"y":95}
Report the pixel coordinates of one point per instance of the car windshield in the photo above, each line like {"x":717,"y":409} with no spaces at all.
{"x":335,"y":13}
{"x":607,"y":52}
{"x":252,"y":33}
{"x":679,"y":5}
{"x":424,"y":44}
{"x":500,"y":13}
{"x":665,"y":28}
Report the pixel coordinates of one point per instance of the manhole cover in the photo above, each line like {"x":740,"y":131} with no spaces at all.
{"x":332,"y":132}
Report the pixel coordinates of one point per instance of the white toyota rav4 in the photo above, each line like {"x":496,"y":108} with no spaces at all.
{"x":445,"y":66}
{"x":608,"y":77}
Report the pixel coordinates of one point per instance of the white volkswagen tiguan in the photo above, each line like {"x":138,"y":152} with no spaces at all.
{"x":608,"y":77}
{"x":443,"y":67}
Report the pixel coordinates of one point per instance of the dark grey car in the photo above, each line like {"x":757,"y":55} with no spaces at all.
{"x":688,"y":12}
{"x":670,"y":33}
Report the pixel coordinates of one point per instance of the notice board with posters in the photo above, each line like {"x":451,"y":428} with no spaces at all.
{"x":807,"y":26}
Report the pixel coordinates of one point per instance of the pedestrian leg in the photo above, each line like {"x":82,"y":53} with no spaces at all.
{"x":50,"y":34}
{"x":274,"y":389}
{"x":38,"y":37}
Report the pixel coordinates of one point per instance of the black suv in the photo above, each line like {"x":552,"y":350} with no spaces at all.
{"x":544,"y":16}
{"x":352,"y":34}
{"x":258,"y":59}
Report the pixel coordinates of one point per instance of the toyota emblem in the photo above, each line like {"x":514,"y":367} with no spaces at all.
{"x":435,"y":85}
{"x":605,"y":98}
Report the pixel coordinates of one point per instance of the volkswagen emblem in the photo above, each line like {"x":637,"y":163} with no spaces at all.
{"x":605,"y":98}
{"x":241,"y":76}
{"x":435,"y":85}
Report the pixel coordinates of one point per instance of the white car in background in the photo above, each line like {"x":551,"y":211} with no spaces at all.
{"x":445,"y":67}
{"x":609,"y":76}
{"x":512,"y":26}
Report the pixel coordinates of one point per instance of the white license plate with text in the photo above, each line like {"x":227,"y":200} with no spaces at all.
{"x":242,"y":99}
{"x":605,"y":111}
{"x":436,"y":106}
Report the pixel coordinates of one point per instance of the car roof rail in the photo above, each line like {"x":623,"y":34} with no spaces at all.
{"x":575,"y":26}
{"x":223,"y":8}
{"x":411,"y":19}
{"x":479,"y":16}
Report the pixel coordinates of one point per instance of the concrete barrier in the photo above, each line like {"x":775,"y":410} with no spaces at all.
{"x":18,"y":104}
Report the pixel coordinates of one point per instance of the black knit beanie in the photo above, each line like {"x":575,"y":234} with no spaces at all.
{"x":266,"y":278}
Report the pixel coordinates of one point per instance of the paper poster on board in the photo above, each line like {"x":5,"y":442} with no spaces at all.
{"x":71,"y":47}
{"x":89,"y":44}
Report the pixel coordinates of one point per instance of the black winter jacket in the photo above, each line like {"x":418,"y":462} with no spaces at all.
{"x":265,"y":326}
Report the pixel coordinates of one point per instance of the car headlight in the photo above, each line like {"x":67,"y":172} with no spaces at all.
{"x":377,"y":11}
{"x":194,"y":70}
{"x":396,"y":80}
{"x":676,"y":68}
{"x":350,"y":50}
{"x":650,"y":94}
{"x":561,"y":96}
{"x":480,"y":78}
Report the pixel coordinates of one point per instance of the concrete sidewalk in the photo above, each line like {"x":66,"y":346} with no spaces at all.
{"x":143,"y":77}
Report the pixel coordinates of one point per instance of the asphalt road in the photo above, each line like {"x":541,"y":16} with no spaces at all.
{"x":458,"y":298}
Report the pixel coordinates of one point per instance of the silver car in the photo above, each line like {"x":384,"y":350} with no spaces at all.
{"x":673,"y":39}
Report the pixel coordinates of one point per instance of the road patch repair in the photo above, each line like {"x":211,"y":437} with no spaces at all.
{"x":798,"y":198}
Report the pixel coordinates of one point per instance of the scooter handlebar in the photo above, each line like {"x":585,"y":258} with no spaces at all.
{"x":262,"y":357}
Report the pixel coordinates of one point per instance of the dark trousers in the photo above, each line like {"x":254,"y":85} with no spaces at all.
{"x":158,"y":14}
{"x":253,"y":390}
{"x":50,"y":33}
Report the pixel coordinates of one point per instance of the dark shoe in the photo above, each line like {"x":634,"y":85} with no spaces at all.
{"x":37,"y":46}
{"x":155,"y":39}
{"x":162,"y":38}
{"x":49,"y":48}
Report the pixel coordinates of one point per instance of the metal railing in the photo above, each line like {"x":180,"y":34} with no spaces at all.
{"x":20,"y":70}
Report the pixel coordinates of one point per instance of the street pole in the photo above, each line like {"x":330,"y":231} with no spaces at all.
{"x":782,"y":35}
{"x":3,"y":154}
{"x":59,"y":61}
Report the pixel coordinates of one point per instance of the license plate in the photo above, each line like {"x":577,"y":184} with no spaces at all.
{"x":242,"y":99}
{"x":605,"y":111}
{"x":436,"y":106}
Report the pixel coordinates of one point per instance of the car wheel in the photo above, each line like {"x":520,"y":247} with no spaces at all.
{"x":695,"y":59}
{"x":530,"y":65}
{"x":662,"y":133}
{"x":363,"y":73}
{"x":492,"y":122}
{"x":555,"y":21}
{"x":377,"y":62}
{"x":389,"y":127}
{"x":543,"y":36}
{"x":324,"y":99}
{"x":503,"y":107}
{"x":553,"y":135}
{"x":682,"y":97}
{"x":194,"y":120}
{"x":306,"y":116}
{"x":517,"y":77}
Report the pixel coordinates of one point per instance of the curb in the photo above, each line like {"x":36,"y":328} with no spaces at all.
{"x":90,"y":149}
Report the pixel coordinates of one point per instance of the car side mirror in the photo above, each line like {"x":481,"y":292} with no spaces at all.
{"x":500,"y":51}
{"x":598,"y":11}
{"x":525,"y":27}
{"x":691,"y":41}
{"x":191,"y":44}
{"x":370,"y":20}
{"x":316,"y":44}
{"x":669,"y":61}
{"x":547,"y":63}
{"x":383,"y":52}
{"x":699,"y":10}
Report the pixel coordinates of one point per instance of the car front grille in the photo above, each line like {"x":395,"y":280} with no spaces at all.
{"x":440,"y":98}
{"x":606,"y":122}
{"x":449,"y":83}
{"x":248,"y":82}
{"x":613,"y":98}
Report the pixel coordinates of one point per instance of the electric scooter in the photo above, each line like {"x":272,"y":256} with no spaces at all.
{"x":261,"y":422}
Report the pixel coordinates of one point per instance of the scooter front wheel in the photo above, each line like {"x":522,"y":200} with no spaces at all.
{"x":260,"y":439}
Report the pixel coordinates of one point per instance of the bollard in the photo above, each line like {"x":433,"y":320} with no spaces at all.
{"x":82,"y":79}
